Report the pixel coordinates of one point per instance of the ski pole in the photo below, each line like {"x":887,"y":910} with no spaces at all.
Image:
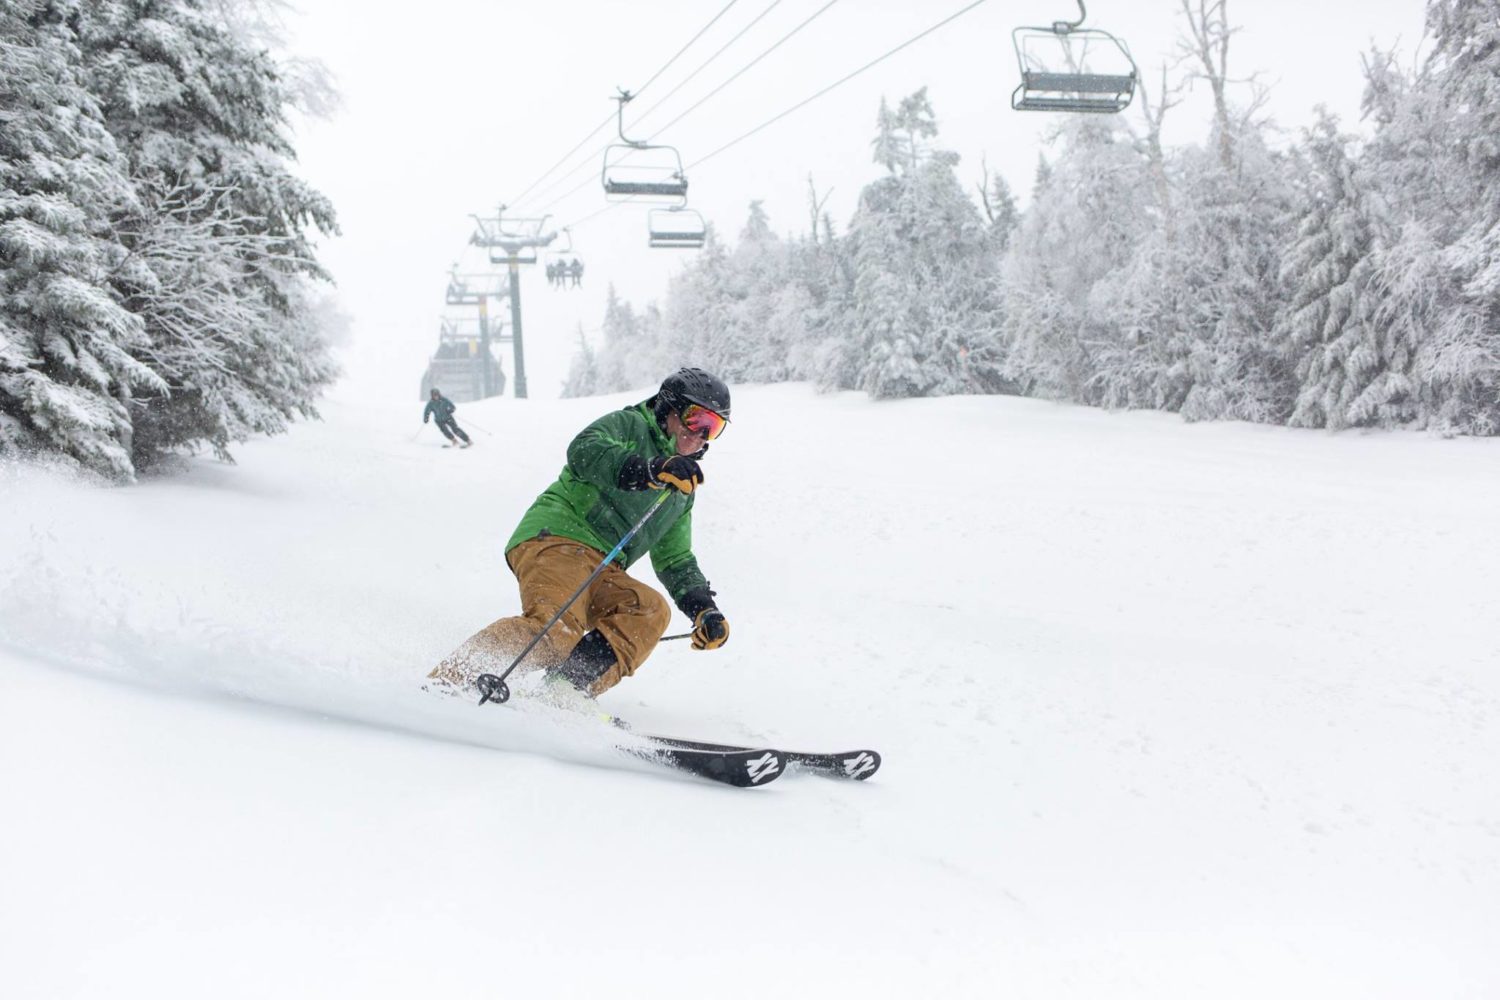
{"x":476,"y":426}
{"x":491,"y":687}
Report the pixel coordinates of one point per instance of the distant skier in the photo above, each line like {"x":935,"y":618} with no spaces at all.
{"x":575,"y":271}
{"x":442,"y":407}
{"x":615,"y":468}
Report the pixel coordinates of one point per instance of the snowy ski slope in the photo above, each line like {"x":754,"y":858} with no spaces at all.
{"x":1167,"y":710}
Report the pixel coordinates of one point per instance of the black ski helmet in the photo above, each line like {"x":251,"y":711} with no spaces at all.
{"x":691,"y":385}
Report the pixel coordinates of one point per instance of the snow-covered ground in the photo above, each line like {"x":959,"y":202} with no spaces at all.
{"x":1167,"y":710}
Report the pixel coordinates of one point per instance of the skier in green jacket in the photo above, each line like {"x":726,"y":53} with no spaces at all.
{"x":615,"y":469}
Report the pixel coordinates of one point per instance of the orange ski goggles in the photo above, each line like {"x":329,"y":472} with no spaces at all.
{"x":702,"y":420}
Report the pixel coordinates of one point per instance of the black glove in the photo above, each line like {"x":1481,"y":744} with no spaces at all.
{"x":677,"y":471}
{"x":710,"y":629}
{"x":635,"y":474}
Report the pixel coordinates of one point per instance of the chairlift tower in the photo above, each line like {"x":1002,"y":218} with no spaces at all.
{"x":477,"y":290}
{"x":513,"y":241}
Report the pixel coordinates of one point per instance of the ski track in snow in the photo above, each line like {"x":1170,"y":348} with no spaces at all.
{"x":1166,"y":710}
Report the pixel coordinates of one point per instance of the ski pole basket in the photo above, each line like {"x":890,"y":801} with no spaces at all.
{"x":1069,"y":68}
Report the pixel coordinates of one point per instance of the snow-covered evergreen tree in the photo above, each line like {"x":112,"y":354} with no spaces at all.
{"x":766,"y":306}
{"x":695,"y":325}
{"x":155,"y":244}
{"x":629,"y":357}
{"x":1434,"y":356}
{"x":220,"y":250}
{"x":817,"y":294}
{"x":1186,"y":321}
{"x":1330,"y":320}
{"x":1001,"y":209}
{"x":717,"y":319}
{"x":1235,"y":224}
{"x":1457,"y":365}
{"x":583,"y":371}
{"x":886,"y":146}
{"x":738,"y":311}
{"x":1086,"y":221}
{"x":924,"y":282}
{"x":262,"y":25}
{"x":67,"y":373}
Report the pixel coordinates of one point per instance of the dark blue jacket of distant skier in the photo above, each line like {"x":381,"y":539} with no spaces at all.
{"x":441,"y":407}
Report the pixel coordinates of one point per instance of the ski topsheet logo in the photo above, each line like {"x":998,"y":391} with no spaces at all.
{"x":859,"y":764}
{"x":762,"y":767}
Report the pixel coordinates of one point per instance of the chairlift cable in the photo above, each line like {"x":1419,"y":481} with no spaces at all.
{"x":687,"y":79}
{"x":799,"y":105}
{"x":589,"y":160}
{"x":598,"y":212}
{"x":586,"y":181}
{"x":590,"y":179}
{"x":595,"y":131}
{"x":562,"y":159}
{"x":744,"y":69}
{"x":837,"y":83}
{"x":689,"y":45}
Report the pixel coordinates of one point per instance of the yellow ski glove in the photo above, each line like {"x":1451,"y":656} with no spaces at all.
{"x":710,"y":629}
{"x":679,"y":472}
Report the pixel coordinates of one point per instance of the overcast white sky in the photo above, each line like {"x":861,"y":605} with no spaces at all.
{"x":454,"y":106}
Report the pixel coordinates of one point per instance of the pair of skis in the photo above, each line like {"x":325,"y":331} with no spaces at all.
{"x":751,"y":767}
{"x":731,"y":764}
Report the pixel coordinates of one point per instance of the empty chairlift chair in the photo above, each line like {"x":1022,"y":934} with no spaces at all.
{"x":636,"y":170}
{"x":1070,"y":68}
{"x":676,"y":228}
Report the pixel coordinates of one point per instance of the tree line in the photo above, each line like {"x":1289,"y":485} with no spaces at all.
{"x":1331,"y":281}
{"x":157,"y":276}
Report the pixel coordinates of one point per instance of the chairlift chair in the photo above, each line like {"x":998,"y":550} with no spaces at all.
{"x":458,"y":365}
{"x":636,"y":170}
{"x":469,"y":289}
{"x":567,"y":247}
{"x":563,"y":267}
{"x":456,"y":293}
{"x":676,"y":228}
{"x":552,"y":254}
{"x":1066,"y":67}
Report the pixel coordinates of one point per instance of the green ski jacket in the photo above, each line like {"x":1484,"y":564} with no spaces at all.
{"x":586,"y":504}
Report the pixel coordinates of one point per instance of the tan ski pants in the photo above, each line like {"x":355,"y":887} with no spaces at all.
{"x":630,"y":614}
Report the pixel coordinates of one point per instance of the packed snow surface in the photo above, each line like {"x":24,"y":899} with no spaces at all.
{"x":1167,"y":710}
